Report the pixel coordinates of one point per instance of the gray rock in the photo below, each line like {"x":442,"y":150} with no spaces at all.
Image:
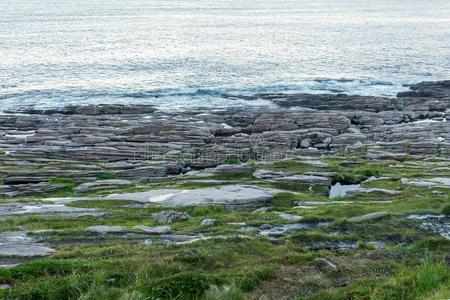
{"x":208,"y":222}
{"x":153,"y":230}
{"x":152,"y":196}
{"x":305,"y":179}
{"x":19,"y":244}
{"x":231,"y":169}
{"x":288,"y":217}
{"x":369,"y":217}
{"x":305,"y":143}
{"x":428,"y":182}
{"x":14,"y":209}
{"x":104,"y":229}
{"x":265,"y":226}
{"x":4,"y":286}
{"x":261,"y":210}
{"x":376,"y":245}
{"x":235,"y":197}
{"x":268,"y":174}
{"x":324,"y":264}
{"x":169,"y":217}
{"x":362,"y":190}
{"x":100,"y":184}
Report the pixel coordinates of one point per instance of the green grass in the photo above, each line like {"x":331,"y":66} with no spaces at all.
{"x":120,"y":266}
{"x":414,"y":283}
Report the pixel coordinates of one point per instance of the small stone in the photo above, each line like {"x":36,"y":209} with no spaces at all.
{"x":265,"y":226}
{"x":4,"y":286}
{"x":208,"y":222}
{"x":168,"y":217}
{"x":324,"y":264}
{"x":327,"y":141}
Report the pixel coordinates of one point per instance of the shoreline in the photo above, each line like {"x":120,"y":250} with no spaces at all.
{"x":132,"y":142}
{"x":313,"y":198}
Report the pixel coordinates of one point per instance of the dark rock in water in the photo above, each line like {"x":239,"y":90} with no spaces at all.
{"x":169,"y":217}
{"x":439,"y":89}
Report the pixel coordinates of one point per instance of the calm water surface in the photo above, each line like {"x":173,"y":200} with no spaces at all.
{"x":179,"y":54}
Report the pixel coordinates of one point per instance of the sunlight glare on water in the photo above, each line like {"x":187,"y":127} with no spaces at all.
{"x":179,"y":54}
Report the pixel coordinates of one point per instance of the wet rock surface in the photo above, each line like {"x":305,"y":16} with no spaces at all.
{"x":438,"y":224}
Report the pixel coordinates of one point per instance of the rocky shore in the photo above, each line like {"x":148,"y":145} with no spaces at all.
{"x":141,"y":142}
{"x":318,"y":197}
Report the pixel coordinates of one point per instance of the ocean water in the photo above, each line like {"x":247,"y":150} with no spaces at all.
{"x":180,"y":54}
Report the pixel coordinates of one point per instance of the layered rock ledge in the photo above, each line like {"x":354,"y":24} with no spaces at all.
{"x":138,"y":141}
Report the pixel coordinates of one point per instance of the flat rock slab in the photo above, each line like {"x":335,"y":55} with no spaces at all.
{"x":105,"y":229}
{"x":304,"y":179}
{"x":18,"y":244}
{"x":152,"y":196}
{"x":428,"y":182}
{"x":238,"y":197}
{"x":288,"y":217}
{"x":153,"y":230}
{"x":362,"y":190}
{"x":14,"y":209}
{"x":101,"y":184}
{"x":369,"y":217}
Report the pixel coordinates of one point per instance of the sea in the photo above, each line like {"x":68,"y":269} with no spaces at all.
{"x":181,"y":54}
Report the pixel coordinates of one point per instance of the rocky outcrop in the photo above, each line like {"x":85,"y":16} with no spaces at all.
{"x":139,"y":142}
